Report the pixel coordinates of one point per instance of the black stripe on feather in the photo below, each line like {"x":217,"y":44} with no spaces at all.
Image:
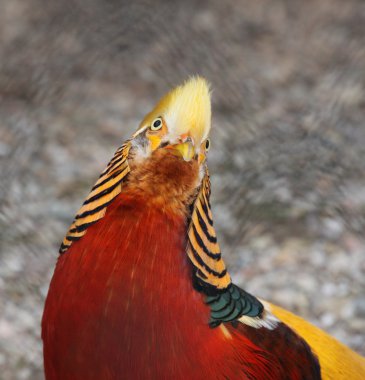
{"x":205,"y":266}
{"x":214,"y":256}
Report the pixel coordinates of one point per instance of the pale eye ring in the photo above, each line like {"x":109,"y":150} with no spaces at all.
{"x":156,"y":124}
{"x":207,"y":145}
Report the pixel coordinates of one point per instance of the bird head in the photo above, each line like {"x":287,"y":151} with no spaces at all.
{"x":179,"y":123}
{"x":168,"y":150}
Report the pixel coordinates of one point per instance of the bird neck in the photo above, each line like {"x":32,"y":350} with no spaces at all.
{"x":163,"y":181}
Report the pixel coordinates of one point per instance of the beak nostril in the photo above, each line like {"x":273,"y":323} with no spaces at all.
{"x":186,"y":138}
{"x":183,"y":137}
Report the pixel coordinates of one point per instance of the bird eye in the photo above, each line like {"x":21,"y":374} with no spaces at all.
{"x":207,"y":144}
{"x":156,"y":124}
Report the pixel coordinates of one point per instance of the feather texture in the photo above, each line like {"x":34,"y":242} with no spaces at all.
{"x":121,"y":305}
{"x":106,"y":188}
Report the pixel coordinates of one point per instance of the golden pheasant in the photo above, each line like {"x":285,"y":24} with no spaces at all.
{"x":140,"y":290}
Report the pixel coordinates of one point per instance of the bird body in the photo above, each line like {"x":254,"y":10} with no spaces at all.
{"x":126,"y":308}
{"x":140,"y":290}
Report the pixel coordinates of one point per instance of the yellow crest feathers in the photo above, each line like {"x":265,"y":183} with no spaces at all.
{"x":186,"y":108}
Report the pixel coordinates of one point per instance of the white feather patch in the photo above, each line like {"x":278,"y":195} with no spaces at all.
{"x":267,"y":319}
{"x":141,"y":151}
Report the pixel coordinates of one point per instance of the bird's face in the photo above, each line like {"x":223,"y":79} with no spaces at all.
{"x":180,"y":124}
{"x":168,"y":150}
{"x":172,"y":140}
{"x":157,"y":135}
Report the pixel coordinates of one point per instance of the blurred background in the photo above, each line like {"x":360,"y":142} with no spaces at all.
{"x":288,"y":142}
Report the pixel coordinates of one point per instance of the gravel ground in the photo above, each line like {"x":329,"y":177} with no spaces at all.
{"x":287,"y":157}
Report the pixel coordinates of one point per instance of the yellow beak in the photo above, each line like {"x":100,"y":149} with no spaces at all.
{"x":185,"y":150}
